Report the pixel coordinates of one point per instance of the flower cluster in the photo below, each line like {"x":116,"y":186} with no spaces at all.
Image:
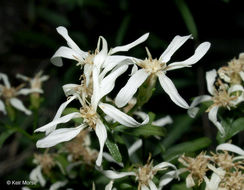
{"x":225,"y":89}
{"x":226,"y":169}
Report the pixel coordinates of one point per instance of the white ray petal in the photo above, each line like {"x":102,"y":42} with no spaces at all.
{"x":96,"y":88}
{"x":19,"y":105}
{"x":65,"y":52}
{"x":134,"y":147}
{"x":127,"y":92}
{"x":171,"y":90}
{"x":50,"y":126}
{"x":174,"y":45}
{"x":210,"y":78}
{"x":59,"y":113}
{"x":144,"y":187}
{"x":163,"y":121}
{"x":88,"y":72}
{"x":212,"y":115}
{"x":26,"y":91}
{"x":58,"y":184}
{"x":163,"y":165}
{"x":199,"y":53}
{"x":44,"y":78}
{"x":120,"y":116}
{"x":6,"y":82}
{"x":109,"y":186}
{"x":58,"y":136}
{"x":230,"y":148}
{"x":192,"y":111}
{"x":130,"y":45}
{"x":36,"y":176}
{"x":70,"y":89}
{"x":102,"y":55}
{"x":167,"y":178}
{"x":241,"y":73}
{"x":108,"y":82}
{"x":23,"y":77}
{"x":64,"y":33}
{"x":101,"y":133}
{"x":152,"y":185}
{"x":234,"y":88}
{"x":190,"y":181}
{"x":2,"y":107}
{"x":116,"y":175}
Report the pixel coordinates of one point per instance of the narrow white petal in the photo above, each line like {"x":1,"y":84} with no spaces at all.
{"x":134,"y":147}
{"x":171,"y":90}
{"x":109,"y":186}
{"x":130,"y":45}
{"x":44,"y":78}
{"x":192,"y":111}
{"x":210,"y":77}
{"x":116,"y":175}
{"x":58,"y":136}
{"x":163,"y":121}
{"x":36,"y":176}
{"x":230,"y":148}
{"x":212,"y":115}
{"x":167,"y":178}
{"x":19,"y":106}
{"x":102,"y":55}
{"x":190,"y":181}
{"x":64,"y":33}
{"x":64,"y":52}
{"x":140,"y":114}
{"x":241,"y":73}
{"x":59,"y":113}
{"x":174,"y":45}
{"x":50,"y":126}
{"x":2,"y":107}
{"x":134,"y":70}
{"x":199,"y":53}
{"x":108,"y":82}
{"x":88,"y":72}
{"x":70,"y":89}
{"x":6,"y":82}
{"x":152,"y":185}
{"x":120,"y":116}
{"x":23,"y":77}
{"x":26,"y":91}
{"x":213,"y":183}
{"x":234,"y":88}
{"x":163,"y":165}
{"x":96,"y":88}
{"x":144,"y":187}
{"x":58,"y":184}
{"x":127,"y":92}
{"x":101,"y":133}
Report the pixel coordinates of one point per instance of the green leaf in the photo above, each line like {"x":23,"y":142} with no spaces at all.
{"x":190,"y":146}
{"x":180,"y":125}
{"x":114,"y":150}
{"x":4,"y":135}
{"x":231,"y":128}
{"x":181,"y":186}
{"x":187,"y":17}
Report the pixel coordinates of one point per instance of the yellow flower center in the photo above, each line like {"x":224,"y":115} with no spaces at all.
{"x":89,"y":115}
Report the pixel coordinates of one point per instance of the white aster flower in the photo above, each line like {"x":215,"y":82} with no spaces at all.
{"x":158,"y":68}
{"x":9,"y":95}
{"x":224,"y":97}
{"x":102,"y":57}
{"x":145,"y":174}
{"x":36,"y":81}
{"x":88,"y":112}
